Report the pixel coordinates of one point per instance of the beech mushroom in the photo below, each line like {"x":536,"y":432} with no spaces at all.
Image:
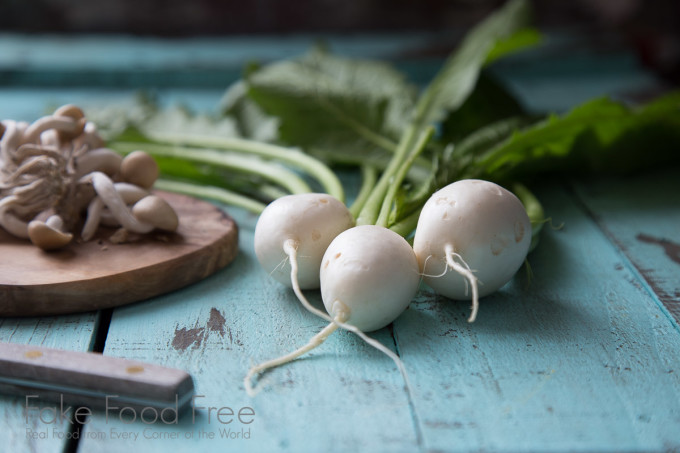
{"x":157,"y":212}
{"x":69,"y":127}
{"x":58,"y":164}
{"x":95,"y":210}
{"x":9,"y":221}
{"x":74,"y":112}
{"x":70,"y":110}
{"x":102,"y":159}
{"x":107,"y":192}
{"x":139,"y":168}
{"x":48,"y":235}
{"x":89,"y":139}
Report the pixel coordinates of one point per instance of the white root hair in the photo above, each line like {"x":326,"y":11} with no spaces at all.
{"x":465,"y":272}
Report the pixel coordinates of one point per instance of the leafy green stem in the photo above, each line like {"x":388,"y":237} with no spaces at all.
{"x":212,"y":193}
{"x":371,"y":210}
{"x":233,"y":161}
{"x":534,"y":210}
{"x":400,"y":175}
{"x":369,"y":176}
{"x":405,"y":226}
{"x":313,"y":167}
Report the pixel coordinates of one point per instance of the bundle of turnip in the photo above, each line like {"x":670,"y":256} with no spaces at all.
{"x":447,"y":167}
{"x":369,"y":274}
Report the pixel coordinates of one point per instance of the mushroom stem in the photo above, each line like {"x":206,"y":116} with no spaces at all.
{"x":12,"y":224}
{"x":9,"y":143}
{"x":102,"y":159}
{"x":94,"y":213}
{"x":54,"y":221}
{"x":89,"y":138}
{"x":64,"y":124}
{"x":112,"y":199}
{"x":95,"y":210}
{"x":32,"y":150}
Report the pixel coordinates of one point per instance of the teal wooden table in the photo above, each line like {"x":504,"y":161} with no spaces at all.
{"x":585,"y":357}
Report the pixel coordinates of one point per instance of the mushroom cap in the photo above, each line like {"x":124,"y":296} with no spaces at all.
{"x":66,"y":136}
{"x":77,"y":114}
{"x":70,"y":110}
{"x":46,"y":237}
{"x":139,"y":168}
{"x":157,"y":212}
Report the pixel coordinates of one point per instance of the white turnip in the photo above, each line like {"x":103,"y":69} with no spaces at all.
{"x":292,"y":235}
{"x":479,"y":230}
{"x":296,"y":230}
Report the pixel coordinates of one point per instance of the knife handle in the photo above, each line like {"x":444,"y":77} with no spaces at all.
{"x":91,"y":379}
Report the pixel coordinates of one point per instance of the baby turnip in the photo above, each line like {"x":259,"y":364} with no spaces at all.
{"x":292,"y":235}
{"x":368,"y":276}
{"x":479,"y":230}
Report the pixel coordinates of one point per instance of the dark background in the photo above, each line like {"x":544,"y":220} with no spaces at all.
{"x":651,"y":27}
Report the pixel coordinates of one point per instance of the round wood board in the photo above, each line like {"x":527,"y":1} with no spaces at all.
{"x":100,"y":274}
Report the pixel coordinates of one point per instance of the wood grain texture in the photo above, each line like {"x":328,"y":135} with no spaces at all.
{"x":100,"y":274}
{"x":649,"y":236}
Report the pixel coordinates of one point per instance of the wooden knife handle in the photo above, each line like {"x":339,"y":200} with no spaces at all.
{"x":87,"y":379}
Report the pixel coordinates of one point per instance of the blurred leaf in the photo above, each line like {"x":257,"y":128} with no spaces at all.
{"x":489,"y":102}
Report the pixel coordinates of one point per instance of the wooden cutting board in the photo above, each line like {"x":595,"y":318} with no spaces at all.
{"x":101,"y":274}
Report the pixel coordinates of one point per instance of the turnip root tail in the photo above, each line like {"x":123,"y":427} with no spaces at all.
{"x":315,"y":341}
{"x":466,"y":273}
{"x":380,"y":347}
{"x":290,"y":247}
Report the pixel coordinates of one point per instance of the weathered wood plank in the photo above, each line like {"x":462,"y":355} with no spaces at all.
{"x":71,"y":332}
{"x":29,"y":104}
{"x":648,"y":235}
{"x":126,"y":61}
{"x":583,"y":359}
{"x":342,"y":397}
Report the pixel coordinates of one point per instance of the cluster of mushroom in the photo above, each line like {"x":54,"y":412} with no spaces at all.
{"x":57,"y":169}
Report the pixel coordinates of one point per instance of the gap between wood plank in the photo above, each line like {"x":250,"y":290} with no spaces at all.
{"x":101,"y":331}
{"x":409,"y":396}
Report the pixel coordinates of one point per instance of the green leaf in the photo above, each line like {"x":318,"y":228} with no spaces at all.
{"x":336,"y":104}
{"x":518,"y":41}
{"x":458,"y":76}
{"x":600,"y":136}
